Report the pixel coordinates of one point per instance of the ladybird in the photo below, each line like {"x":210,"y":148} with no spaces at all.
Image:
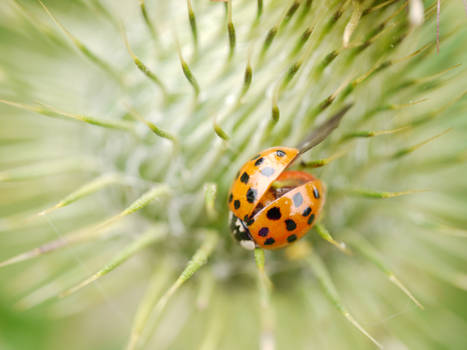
{"x":272,"y":207}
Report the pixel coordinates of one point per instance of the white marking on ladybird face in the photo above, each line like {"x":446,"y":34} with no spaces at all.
{"x":248,"y":245}
{"x":239,"y":225}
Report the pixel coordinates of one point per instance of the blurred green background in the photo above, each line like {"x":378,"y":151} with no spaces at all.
{"x":43,"y":159}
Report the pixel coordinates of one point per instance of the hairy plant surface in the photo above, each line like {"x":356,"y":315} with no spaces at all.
{"x":124,"y":123}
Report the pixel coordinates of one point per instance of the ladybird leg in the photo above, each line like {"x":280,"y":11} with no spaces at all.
{"x":322,"y":131}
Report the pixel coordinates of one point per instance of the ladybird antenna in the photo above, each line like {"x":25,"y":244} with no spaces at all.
{"x":319,"y":134}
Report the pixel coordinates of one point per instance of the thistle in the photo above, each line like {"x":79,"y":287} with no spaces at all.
{"x":123,"y":126}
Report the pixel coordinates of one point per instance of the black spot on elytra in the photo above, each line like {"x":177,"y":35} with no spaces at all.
{"x":292,"y":238}
{"x":269,"y":241}
{"x":245,"y":177}
{"x":236,"y":204}
{"x":251,"y":195}
{"x":297,"y":199}
{"x":311,"y":218}
{"x":267,"y":171}
{"x":230,"y":197}
{"x":274,"y":213}
{"x":290,"y":224}
{"x":280,"y":153}
{"x":307,"y":211}
{"x":259,"y":161}
{"x":249,"y":221}
{"x":315,"y":192}
{"x":263,"y":232}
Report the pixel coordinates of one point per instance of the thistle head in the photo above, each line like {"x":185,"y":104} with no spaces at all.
{"x":124,"y":126}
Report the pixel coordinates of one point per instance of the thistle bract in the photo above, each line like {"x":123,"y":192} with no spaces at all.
{"x":123,"y":125}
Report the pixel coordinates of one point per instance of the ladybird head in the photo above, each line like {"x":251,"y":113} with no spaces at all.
{"x":240,"y":232}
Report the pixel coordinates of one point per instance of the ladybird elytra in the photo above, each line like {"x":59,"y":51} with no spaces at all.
{"x":256,"y":176}
{"x":288,"y":218}
{"x":272,"y":207}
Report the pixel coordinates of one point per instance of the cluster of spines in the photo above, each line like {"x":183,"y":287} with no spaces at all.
{"x":237,"y":118}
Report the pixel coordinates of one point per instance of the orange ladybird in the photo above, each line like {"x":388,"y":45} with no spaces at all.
{"x":272,"y":207}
